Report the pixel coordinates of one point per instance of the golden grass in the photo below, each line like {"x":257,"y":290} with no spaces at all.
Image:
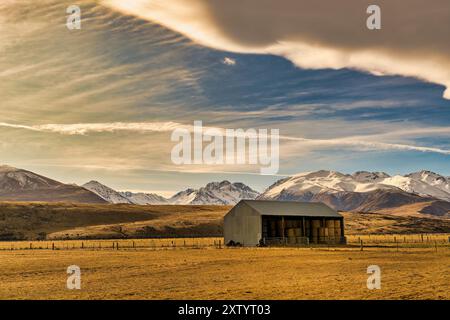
{"x":21,"y":220}
{"x":243,"y":273}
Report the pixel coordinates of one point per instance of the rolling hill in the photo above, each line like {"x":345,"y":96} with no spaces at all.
{"x":22,"y":185}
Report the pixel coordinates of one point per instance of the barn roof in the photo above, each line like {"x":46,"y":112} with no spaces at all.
{"x":292,"y":208}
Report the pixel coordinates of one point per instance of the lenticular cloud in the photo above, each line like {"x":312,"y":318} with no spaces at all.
{"x":316,"y":34}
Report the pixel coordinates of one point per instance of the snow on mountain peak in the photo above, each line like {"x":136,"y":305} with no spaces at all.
{"x":216,"y":193}
{"x":106,"y":193}
{"x":433,"y":179}
{"x":424,"y":183}
{"x":142,"y":198}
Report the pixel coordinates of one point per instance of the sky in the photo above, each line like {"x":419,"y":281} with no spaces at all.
{"x":101,"y":103}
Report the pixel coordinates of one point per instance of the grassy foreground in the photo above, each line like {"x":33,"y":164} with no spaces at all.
{"x":256,"y":273}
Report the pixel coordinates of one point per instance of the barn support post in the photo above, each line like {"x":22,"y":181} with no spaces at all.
{"x":303,"y":226}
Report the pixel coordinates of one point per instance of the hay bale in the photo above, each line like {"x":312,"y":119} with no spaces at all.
{"x":337,"y":224}
{"x":337,"y":233}
{"x":321,"y":232}
{"x":329,"y":224}
{"x":331,"y":233}
{"x":315,"y":224}
{"x":315,"y":232}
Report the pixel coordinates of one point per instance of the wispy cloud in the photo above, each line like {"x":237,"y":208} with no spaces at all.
{"x":143,"y":127}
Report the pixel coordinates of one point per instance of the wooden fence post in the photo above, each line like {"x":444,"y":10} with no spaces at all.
{"x":53,"y":246}
{"x":361,"y":245}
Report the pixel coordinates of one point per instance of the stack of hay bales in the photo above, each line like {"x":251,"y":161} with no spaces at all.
{"x":315,"y":231}
{"x":331,"y":232}
{"x":337,"y":230}
{"x":323,"y":235}
{"x":291,"y":236}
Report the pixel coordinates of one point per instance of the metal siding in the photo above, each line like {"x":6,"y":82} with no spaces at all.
{"x":242,"y":224}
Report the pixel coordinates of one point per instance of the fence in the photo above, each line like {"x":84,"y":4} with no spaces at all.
{"x":389,"y":241}
{"x":302,"y":241}
{"x":152,"y":244}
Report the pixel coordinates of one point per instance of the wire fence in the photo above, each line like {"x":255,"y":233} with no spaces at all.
{"x":397,"y":241}
{"x":123,"y":244}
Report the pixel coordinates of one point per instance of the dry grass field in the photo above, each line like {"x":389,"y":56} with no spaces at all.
{"x":135,"y":264}
{"x":31,"y":221}
{"x":242,"y":273}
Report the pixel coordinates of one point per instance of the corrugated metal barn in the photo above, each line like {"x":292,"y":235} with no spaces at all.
{"x":253,"y":222}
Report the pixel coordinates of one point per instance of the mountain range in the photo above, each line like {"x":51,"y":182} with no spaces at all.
{"x":365,"y":191}
{"x":214,"y":193}
{"x":361,"y":191}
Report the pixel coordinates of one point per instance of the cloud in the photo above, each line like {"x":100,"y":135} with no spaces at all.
{"x":84,"y":128}
{"x":316,"y":34}
{"x":229,"y":61}
{"x":145,"y":127}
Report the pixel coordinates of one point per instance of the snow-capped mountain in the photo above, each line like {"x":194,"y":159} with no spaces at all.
{"x":184,"y":197}
{"x":22,"y":185}
{"x":144,"y":198}
{"x":423,"y":183}
{"x":215,"y":193}
{"x":432,"y":179}
{"x":113,"y":196}
{"x":106,"y":193}
{"x":361,"y":191}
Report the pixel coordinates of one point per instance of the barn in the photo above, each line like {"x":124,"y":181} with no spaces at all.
{"x":253,"y":222}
